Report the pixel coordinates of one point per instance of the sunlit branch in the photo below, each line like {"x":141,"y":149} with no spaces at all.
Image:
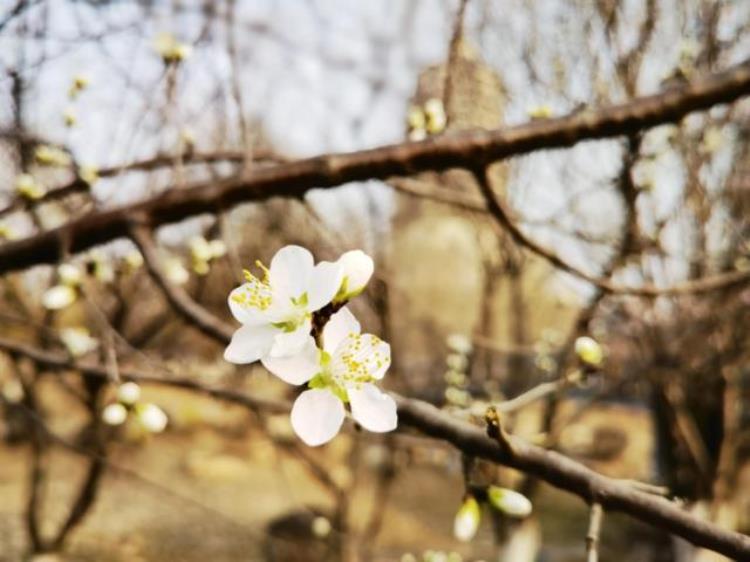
{"x":465,"y":149}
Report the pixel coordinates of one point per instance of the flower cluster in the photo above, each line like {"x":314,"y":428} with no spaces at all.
{"x":150,"y":416}
{"x":294,"y":320}
{"x":71,"y":276}
{"x":429,"y":119}
{"x":203,"y":252}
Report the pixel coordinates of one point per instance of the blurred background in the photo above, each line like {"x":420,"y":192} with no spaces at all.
{"x":106,"y":103}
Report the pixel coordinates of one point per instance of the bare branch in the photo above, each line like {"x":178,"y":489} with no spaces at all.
{"x":178,"y":297}
{"x":497,"y":209}
{"x":465,"y":149}
{"x":592,"y":537}
{"x":554,"y":468}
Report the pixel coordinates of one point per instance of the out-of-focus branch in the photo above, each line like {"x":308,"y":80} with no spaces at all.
{"x":550,"y":466}
{"x":592,"y":536}
{"x":569,"y":475}
{"x":178,"y":297}
{"x":502,"y":215}
{"x":61,"y":361}
{"x":78,"y":185}
{"x":465,"y":149}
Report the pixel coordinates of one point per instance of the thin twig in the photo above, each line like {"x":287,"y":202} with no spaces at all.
{"x":592,"y":536}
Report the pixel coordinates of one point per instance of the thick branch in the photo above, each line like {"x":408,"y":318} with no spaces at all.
{"x":465,"y":149}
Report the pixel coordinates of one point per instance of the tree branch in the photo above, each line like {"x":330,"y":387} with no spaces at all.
{"x":502,"y":216}
{"x":550,"y":466}
{"x":464,"y":149}
{"x":569,"y":475}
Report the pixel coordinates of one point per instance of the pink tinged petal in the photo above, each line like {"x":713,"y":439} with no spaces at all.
{"x":358,"y":268}
{"x":250,"y":343}
{"x":286,"y":344}
{"x":297,"y":369}
{"x":324,"y":284}
{"x":317,"y":416}
{"x":290,"y":271}
{"x":373,"y":409}
{"x":339,"y":326}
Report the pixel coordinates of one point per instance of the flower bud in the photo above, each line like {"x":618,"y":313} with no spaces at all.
{"x":175,"y":271}
{"x":128,"y":393}
{"x":78,"y":341}
{"x":51,"y":156}
{"x":508,"y":501}
{"x":357,"y":269}
{"x":152,"y":418}
{"x":89,"y":174}
{"x":70,"y":274}
{"x":467,"y":520}
{"x":114,"y":414}
{"x":28,"y":187}
{"x":457,"y":362}
{"x":58,"y":297}
{"x":589,"y":351}
{"x":436,"y":117}
{"x":321,"y":527}
{"x":459,"y":343}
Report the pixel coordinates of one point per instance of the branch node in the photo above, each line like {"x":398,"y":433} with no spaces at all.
{"x":496,"y":432}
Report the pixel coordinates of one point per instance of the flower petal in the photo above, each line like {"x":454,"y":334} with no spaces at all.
{"x":250,"y":343}
{"x":286,"y":344}
{"x":373,"y":409}
{"x":361,"y":356}
{"x":242,"y":302}
{"x":317,"y":416}
{"x":297,"y":369}
{"x":358,"y":268}
{"x":290,"y":271}
{"x":338,"y":327}
{"x":324,"y":284}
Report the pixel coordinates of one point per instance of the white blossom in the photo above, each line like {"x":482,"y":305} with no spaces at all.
{"x":276,"y":312}
{"x":345,"y":371}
